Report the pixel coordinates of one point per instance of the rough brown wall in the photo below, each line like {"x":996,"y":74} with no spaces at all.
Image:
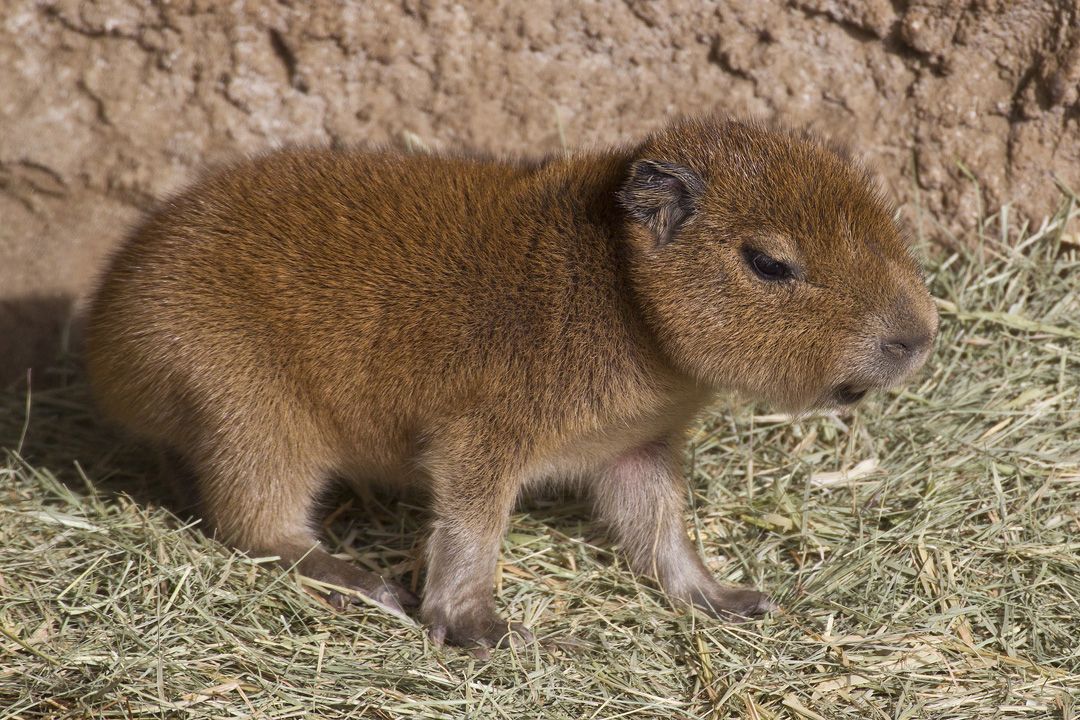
{"x":106,"y":105}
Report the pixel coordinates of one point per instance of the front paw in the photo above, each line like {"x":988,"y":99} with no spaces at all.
{"x":732,"y":603}
{"x":478,"y":629}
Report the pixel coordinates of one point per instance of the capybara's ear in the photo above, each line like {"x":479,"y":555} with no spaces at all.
{"x":661,"y":196}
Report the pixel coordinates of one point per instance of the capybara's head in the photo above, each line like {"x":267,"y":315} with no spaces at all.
{"x":767,"y":262}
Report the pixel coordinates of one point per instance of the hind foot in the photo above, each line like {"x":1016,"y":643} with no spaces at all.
{"x":325,"y":568}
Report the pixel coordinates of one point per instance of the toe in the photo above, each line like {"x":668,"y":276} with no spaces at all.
{"x":337,"y":600}
{"x":388,"y":600}
{"x":405,"y":598}
{"x":481,"y":652}
{"x":518,"y":636}
{"x":765,"y":605}
{"x":753,"y":604}
{"x":479,"y":634}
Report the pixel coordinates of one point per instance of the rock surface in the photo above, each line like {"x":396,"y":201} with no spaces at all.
{"x":107,"y":105}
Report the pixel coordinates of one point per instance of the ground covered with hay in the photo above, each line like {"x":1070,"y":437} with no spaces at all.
{"x":926,"y":551}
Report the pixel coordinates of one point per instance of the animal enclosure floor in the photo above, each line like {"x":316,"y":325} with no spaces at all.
{"x":925,"y":550}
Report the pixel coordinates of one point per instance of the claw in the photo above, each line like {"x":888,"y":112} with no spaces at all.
{"x":338,"y":601}
{"x":518,"y":636}
{"x":481,"y":653}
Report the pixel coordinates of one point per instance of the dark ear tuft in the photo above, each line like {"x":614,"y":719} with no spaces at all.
{"x":661,"y":196}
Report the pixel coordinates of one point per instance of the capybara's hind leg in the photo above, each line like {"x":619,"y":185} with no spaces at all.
{"x":262,"y":503}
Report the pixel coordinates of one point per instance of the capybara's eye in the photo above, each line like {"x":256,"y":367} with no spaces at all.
{"x":768,"y":268}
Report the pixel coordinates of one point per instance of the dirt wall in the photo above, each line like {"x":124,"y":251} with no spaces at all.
{"x":107,"y":105}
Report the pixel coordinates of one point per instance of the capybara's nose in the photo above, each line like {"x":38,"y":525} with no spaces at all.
{"x":904,"y":347}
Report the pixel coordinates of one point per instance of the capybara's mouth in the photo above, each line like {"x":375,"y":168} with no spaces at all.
{"x":848,"y":394}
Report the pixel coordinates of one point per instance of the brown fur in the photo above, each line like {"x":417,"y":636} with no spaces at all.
{"x":478,"y":327}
